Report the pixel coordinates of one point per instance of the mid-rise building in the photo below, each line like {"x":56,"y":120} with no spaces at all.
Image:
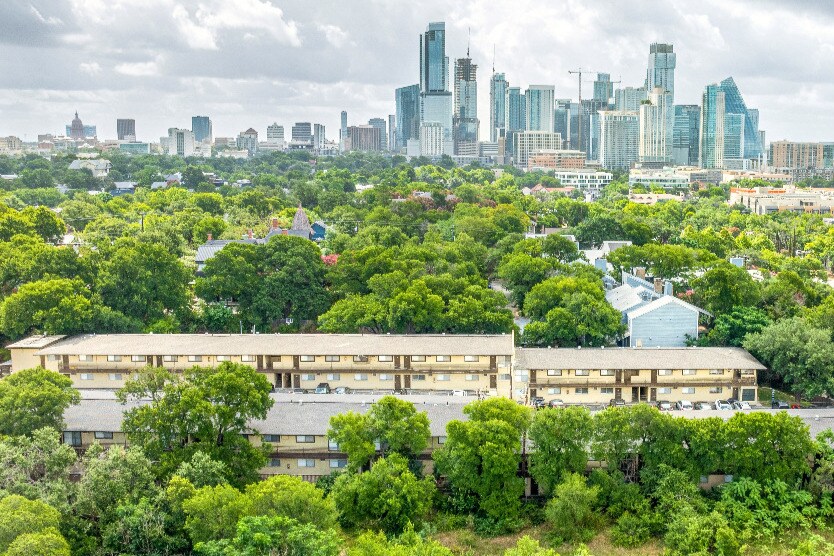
{"x":302,"y":132}
{"x":618,"y":139}
{"x":408,"y":115}
{"x":180,"y":142}
{"x":275,"y":134}
{"x":432,"y":140}
{"x":343,"y":131}
{"x":135,"y":147}
{"x":125,"y":128}
{"x":363,"y":138}
{"x":465,"y":120}
{"x":588,"y":181}
{"x":661,"y":70}
{"x":685,"y":134}
{"x":248,"y":141}
{"x":202,"y":128}
{"x":711,"y":150}
{"x":656,"y":124}
{"x":670,"y":179}
{"x":392,"y":132}
{"x":379,"y":123}
{"x":497,"y":106}
{"x":529,"y":142}
{"x":319,"y":139}
{"x":558,"y":158}
{"x":792,"y":155}
{"x":539,"y":101}
{"x":11,"y":143}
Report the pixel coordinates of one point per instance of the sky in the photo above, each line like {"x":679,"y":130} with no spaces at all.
{"x":248,"y":63}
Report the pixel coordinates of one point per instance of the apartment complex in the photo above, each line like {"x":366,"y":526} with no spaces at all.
{"x":767,"y":200}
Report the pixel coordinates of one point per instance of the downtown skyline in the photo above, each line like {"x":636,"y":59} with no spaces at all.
{"x":265,"y":63}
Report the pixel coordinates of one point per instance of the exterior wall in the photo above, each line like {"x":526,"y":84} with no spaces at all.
{"x":666,"y":326}
{"x":25,"y":358}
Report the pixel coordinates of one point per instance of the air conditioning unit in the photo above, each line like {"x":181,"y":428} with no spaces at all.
{"x":288,"y":320}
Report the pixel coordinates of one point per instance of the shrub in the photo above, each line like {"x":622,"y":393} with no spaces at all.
{"x":571,"y":510}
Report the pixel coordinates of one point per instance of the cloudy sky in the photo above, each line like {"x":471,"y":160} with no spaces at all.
{"x":247,"y":63}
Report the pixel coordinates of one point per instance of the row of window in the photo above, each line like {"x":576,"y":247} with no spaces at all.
{"x":611,"y":372}
{"x":665,"y":390}
{"x":251,"y":358}
{"x":307,"y":462}
{"x":387,"y":358}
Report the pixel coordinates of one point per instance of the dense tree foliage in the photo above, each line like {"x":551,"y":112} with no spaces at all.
{"x":32,"y":399}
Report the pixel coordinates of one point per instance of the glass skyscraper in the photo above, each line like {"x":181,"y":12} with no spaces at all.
{"x":539,"y":100}
{"x":201,"y":126}
{"x":497,"y":105}
{"x":734,"y":104}
{"x":466,"y":121}
{"x":516,"y":109}
{"x":685,"y":134}
{"x":435,"y":97}
{"x":408,"y":115}
{"x":711,"y":152}
{"x":661,"y":71}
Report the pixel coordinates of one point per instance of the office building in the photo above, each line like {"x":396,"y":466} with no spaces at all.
{"x":618,"y":139}
{"x":180,"y":142}
{"x":408,"y":115}
{"x":656,"y":124}
{"x":432,"y":139}
{"x":733,"y":141}
{"x":685,"y":134}
{"x":529,"y":142}
{"x":135,"y":147}
{"x":711,"y":150}
{"x":629,"y":98}
{"x":248,"y":141}
{"x":752,"y":148}
{"x":436,"y":103}
{"x":302,"y":132}
{"x":319,"y":140}
{"x":343,"y":131}
{"x":604,"y":89}
{"x":465,"y":120}
{"x":275,"y":134}
{"x":497,"y":106}
{"x":516,"y":109}
{"x":661,"y":71}
{"x":125,"y":129}
{"x":365,"y":138}
{"x":201,"y":126}
{"x":379,"y":123}
{"x":539,"y":101}
{"x":392,"y":132}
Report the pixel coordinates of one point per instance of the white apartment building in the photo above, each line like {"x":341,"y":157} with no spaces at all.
{"x":431,"y":139}
{"x":656,"y":122}
{"x":529,"y":142}
{"x":618,"y":139}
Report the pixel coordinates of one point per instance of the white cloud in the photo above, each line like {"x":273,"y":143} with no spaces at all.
{"x":197,"y":37}
{"x":247,"y":15}
{"x":334,"y":35}
{"x":138,"y":69}
{"x":93,"y":68}
{"x":51,"y":20}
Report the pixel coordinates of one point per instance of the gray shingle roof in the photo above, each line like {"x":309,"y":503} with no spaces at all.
{"x":636,"y":358}
{"x":626,"y":297}
{"x":282,"y":344}
{"x":210,"y":248}
{"x":35,"y":342}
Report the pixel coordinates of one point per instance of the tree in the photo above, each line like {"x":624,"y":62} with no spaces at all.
{"x":291,"y":497}
{"x":520,"y":272}
{"x":584,"y":320}
{"x":693,"y":533}
{"x":22,"y":516}
{"x":408,"y":544}
{"x":45,"y":223}
{"x":205,"y":409}
{"x":557,"y":291}
{"x":561,"y":437}
{"x":797,"y":353}
{"x":388,"y":497}
{"x":202,"y":470}
{"x":143,"y":527}
{"x":32,"y":399}
{"x":724,"y":287}
{"x":571,"y":510}
{"x":47,"y":542}
{"x":730,"y":329}
{"x":212,"y":513}
{"x":560,"y":248}
{"x":261,"y":536}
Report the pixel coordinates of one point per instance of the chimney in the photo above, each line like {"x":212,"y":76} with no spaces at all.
{"x":274,"y":223}
{"x":658,"y":285}
{"x":208,"y":236}
{"x":250,"y":233}
{"x":640,"y":272}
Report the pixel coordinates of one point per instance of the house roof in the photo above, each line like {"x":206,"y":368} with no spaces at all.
{"x":212,"y":247}
{"x":35,"y":342}
{"x":625,"y":297}
{"x":662,"y":302}
{"x":636,"y":358}
{"x":282,"y":344}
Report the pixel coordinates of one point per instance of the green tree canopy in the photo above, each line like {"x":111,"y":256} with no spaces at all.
{"x":32,"y":399}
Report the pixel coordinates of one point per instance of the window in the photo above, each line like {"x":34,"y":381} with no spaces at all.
{"x":665,"y":390}
{"x":716,"y":371}
{"x":307,"y":358}
{"x":115,"y":376}
{"x":443,"y":358}
{"x":305,"y":439}
{"x":522,"y":376}
{"x":114,"y":358}
{"x":418,"y":377}
{"x":86,"y":376}
{"x":716,"y":390}
{"x":247,"y":358}
{"x":664,"y":372}
{"x":308,"y":377}
{"x":360,"y":358}
{"x":338,"y":463}
{"x":170,"y":358}
{"x":195,"y":358}
{"x":223,"y":358}
{"x":418,"y":358}
{"x":442,"y":378}
{"x":334,"y":376}
{"x":332,"y":445}
{"x":472,"y":378}
{"x":306,"y":463}
{"x":386,"y":377}
{"x":606,"y":372}
{"x":274,"y":462}
{"x":471,"y":358}
{"x":554,"y":372}
{"x":554,"y":390}
{"x":85,"y":357}
{"x":504,"y":360}
{"x":441,"y":440}
{"x":360,"y":377}
{"x":103,"y":435}
{"x":581,"y":390}
{"x":331,"y":358}
{"x":606,"y":390}
{"x":582,"y":372}
{"x":53,"y":357}
{"x":72,"y":438}
{"x":271,"y":438}
{"x":385,"y":358}
{"x":688,"y":390}
{"x":689,"y":371}
{"x":505,"y":376}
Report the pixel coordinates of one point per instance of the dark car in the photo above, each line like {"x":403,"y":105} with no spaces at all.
{"x":616,"y":402}
{"x":780,"y":405}
{"x":323,"y":388}
{"x":556,"y":403}
{"x":665,"y":406}
{"x":538,"y":402}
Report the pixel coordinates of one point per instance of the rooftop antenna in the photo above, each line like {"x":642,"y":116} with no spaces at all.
{"x":468,"y":40}
{"x":493,"y":58}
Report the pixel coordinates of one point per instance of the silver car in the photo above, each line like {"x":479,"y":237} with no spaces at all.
{"x":721,"y":404}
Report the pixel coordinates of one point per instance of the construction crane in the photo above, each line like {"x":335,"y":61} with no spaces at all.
{"x":579,"y":72}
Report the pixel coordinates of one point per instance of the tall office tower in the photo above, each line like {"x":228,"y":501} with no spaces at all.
{"x":711,"y":149}
{"x":319,"y":139}
{"x":408,"y":115}
{"x":275,"y":134}
{"x":379,"y":123}
{"x":562,"y":120}
{"x":618,"y":139}
{"x":343,"y":131}
{"x":539,"y":100}
{"x":392,"y":133}
{"x":629,"y":98}
{"x":516,"y":109}
{"x":734,"y":104}
{"x":125,"y":128}
{"x":685,"y":134}
{"x":248,"y":141}
{"x":497,"y":105}
{"x":302,"y":132}
{"x":465,"y":119}
{"x":661,"y":72}
{"x":201,"y":126}
{"x":180,"y":142}
{"x":733,"y":140}
{"x":656,"y":123}
{"x":603,"y":89}
{"x":435,"y":96}
{"x":364,"y":138}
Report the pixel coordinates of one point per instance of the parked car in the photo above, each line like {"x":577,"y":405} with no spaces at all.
{"x":341,"y":390}
{"x":743,"y":406}
{"x":780,"y":405}
{"x":732,"y":402}
{"x":665,"y":406}
{"x":703,"y":406}
{"x":684,"y":405}
{"x":721,"y":404}
{"x":458,"y":392}
{"x":616,"y":402}
{"x":323,"y":388}
{"x":555,"y":403}
{"x":299,"y":391}
{"x":537,"y":402}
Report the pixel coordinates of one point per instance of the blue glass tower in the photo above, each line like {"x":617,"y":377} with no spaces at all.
{"x":734,"y":104}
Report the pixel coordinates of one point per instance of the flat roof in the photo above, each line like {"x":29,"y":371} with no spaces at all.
{"x":636,"y":358}
{"x":282,"y":344}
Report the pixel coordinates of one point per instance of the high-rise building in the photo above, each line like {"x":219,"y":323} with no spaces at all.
{"x":343,"y":131}
{"x":733,"y":140}
{"x":562,"y":120}
{"x":275,"y":134}
{"x":248,"y":141}
{"x":685,"y":134}
{"x":711,"y":151}
{"x":364,"y":138}
{"x":180,"y":142}
{"x":656,"y":124}
{"x":319,"y":139}
{"x":629,"y":98}
{"x":125,"y":128}
{"x":516,"y":110}
{"x":603,"y":89}
{"x":539,"y":100}
{"x":734,"y":104}
{"x":435,"y":97}
{"x":379,"y":123}
{"x":618,"y":139}
{"x":201,"y":126}
{"x":791,"y":155}
{"x":497,"y":105}
{"x":432,"y":142}
{"x":661,"y":71}
{"x":408,"y":115}
{"x":530,"y":142}
{"x":302,"y":132}
{"x":392,"y":132}
{"x":465,"y":119}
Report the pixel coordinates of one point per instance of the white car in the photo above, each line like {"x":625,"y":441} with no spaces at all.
{"x":458,"y":392}
{"x":684,"y":405}
{"x":744,"y":406}
{"x":721,"y":404}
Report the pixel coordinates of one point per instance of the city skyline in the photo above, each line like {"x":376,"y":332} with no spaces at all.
{"x":324,"y":59}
